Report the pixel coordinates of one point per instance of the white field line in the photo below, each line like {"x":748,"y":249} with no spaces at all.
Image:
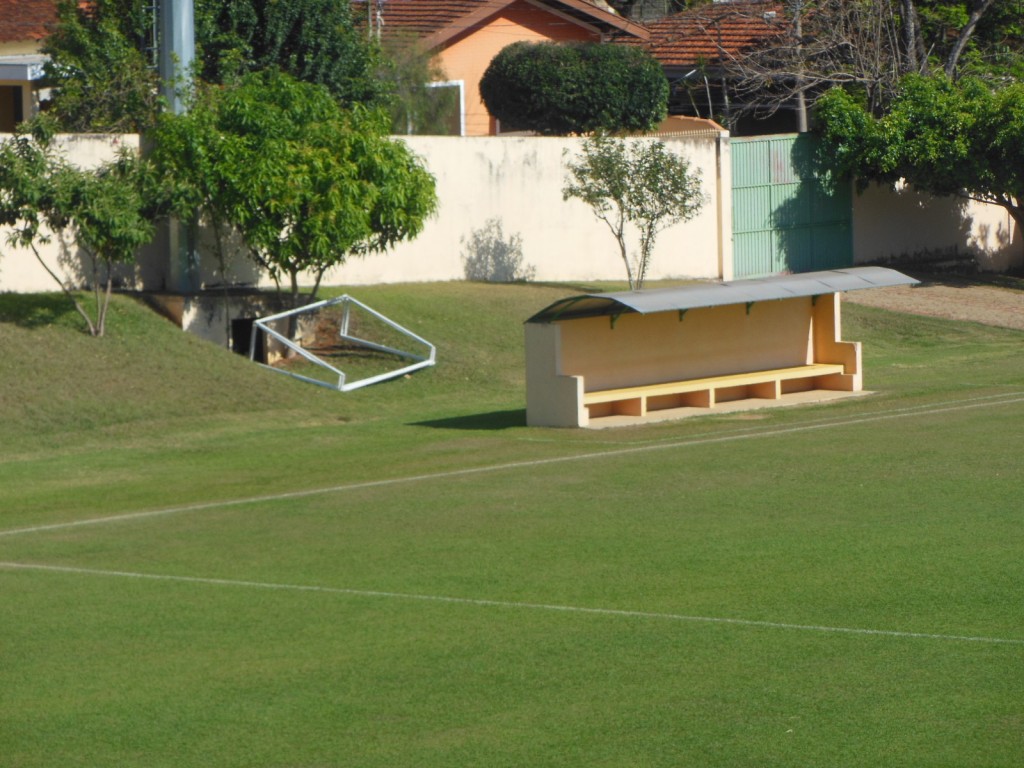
{"x":571,"y":609}
{"x":898,"y":413}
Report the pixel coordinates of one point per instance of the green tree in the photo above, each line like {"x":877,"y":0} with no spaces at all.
{"x":311,"y":40}
{"x":107,"y":211}
{"x":637,"y":185}
{"x":575,"y":88}
{"x":306,"y":183}
{"x":101,"y":54}
{"x":101,"y":79}
{"x":418,"y":106}
{"x":943,"y":137}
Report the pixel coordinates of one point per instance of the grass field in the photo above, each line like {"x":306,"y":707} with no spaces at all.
{"x":206,"y":564}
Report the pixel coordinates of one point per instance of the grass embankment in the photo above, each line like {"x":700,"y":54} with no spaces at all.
{"x":707,"y":573}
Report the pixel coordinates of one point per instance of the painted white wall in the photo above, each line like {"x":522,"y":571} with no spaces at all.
{"x":897,"y":223}
{"x":519,"y":180}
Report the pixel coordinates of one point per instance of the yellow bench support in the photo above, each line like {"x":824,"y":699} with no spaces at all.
{"x":702,"y":393}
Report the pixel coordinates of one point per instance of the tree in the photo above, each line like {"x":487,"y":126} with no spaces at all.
{"x":312,"y":40}
{"x":420,"y":103}
{"x":943,"y":137}
{"x":575,"y":88}
{"x":638,"y":184}
{"x":107,"y":211}
{"x":101,"y":54}
{"x":869,"y":46}
{"x":305,"y":182}
{"x":101,"y":79}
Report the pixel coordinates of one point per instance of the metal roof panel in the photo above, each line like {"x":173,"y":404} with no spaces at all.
{"x":723,"y":293}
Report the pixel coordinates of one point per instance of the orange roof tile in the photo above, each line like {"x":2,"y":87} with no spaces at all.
{"x":26,"y":20}
{"x":713,"y":32}
{"x":437,"y":21}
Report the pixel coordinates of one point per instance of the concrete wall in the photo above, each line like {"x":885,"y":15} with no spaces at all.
{"x":518,"y":181}
{"x":899,"y":224}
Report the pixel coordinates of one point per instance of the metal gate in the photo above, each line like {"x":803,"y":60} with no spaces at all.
{"x":785,"y":219}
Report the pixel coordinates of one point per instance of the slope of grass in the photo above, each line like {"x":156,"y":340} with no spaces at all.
{"x":706,"y":582}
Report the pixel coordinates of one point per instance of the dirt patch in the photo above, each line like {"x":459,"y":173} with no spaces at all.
{"x":989,"y":299}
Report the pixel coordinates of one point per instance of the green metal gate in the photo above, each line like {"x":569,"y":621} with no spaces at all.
{"x":784,"y":219}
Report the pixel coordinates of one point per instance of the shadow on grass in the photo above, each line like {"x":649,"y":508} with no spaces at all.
{"x":36,"y":310}
{"x":480,"y":421}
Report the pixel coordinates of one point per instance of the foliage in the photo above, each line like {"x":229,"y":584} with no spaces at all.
{"x":574,"y":88}
{"x":868,"y":47}
{"x":490,"y":257}
{"x":638,"y":184}
{"x":107,"y":211}
{"x":100,"y":77}
{"x":305,"y":182}
{"x":943,"y":137}
{"x":100,"y":55}
{"x":419,"y":106}
{"x":312,"y":40}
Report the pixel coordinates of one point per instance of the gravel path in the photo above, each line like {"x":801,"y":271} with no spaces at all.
{"x":992,"y":300}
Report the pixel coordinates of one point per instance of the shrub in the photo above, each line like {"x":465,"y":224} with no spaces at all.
{"x":574,"y":88}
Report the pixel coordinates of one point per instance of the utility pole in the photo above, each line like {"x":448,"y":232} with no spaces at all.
{"x":177,"y":52}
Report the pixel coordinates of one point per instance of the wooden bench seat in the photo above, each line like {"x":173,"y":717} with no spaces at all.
{"x":705,"y":392}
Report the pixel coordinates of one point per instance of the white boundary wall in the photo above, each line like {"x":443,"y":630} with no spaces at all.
{"x":899,"y":224}
{"x":519,"y":180}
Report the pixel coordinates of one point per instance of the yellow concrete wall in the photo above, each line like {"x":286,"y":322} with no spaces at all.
{"x":468,"y":56}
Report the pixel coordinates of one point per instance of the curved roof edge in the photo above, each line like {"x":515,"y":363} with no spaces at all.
{"x":719,"y":294}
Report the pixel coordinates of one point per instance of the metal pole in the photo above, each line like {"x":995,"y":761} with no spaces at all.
{"x":177,"y":46}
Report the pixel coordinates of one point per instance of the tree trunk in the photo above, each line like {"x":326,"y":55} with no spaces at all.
{"x":979,"y":7}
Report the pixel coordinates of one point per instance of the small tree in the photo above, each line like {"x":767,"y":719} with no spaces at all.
{"x":575,"y":88}
{"x":305,"y":182}
{"x":106,"y":211}
{"x":638,"y":184}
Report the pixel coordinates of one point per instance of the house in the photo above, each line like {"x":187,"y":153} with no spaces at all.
{"x":693,"y":47}
{"x":466,"y":35}
{"x":24,"y":24}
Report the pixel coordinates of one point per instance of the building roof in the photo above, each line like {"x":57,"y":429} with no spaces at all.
{"x":26,"y":20}
{"x":719,"y":294}
{"x":436,"y":22}
{"x":712,"y":32}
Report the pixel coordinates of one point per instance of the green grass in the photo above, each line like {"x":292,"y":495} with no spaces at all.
{"x":303,"y":630}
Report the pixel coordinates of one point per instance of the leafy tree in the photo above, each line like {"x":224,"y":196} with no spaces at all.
{"x":100,"y":55}
{"x":637,"y":185}
{"x":417,"y":107}
{"x":575,"y":88}
{"x":101,"y":79}
{"x":305,"y":182}
{"x":943,"y":137}
{"x":107,"y":210}
{"x":312,"y":40}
